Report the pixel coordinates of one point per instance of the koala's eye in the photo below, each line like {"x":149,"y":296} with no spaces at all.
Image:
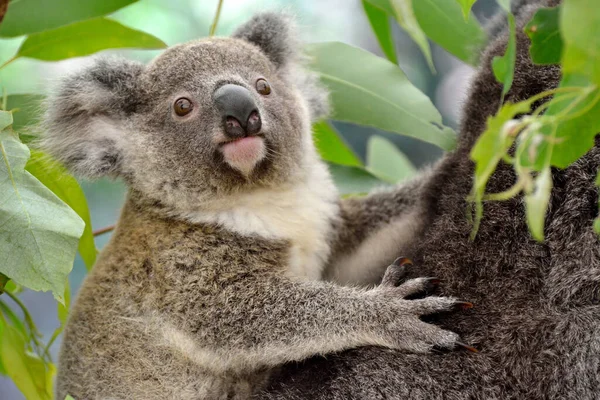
{"x":183,"y":106}
{"x":263,"y":87}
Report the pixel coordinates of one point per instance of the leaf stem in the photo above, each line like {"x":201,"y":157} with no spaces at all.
{"x":213,"y":26}
{"x":8,"y":62}
{"x":104,"y":230}
{"x":34,"y":333}
{"x":3,"y":281}
{"x":507,"y":194}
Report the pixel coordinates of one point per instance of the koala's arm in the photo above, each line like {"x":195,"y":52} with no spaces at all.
{"x":267,"y":320}
{"x":374,"y":230}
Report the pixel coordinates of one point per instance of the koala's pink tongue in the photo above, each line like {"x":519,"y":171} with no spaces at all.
{"x":244,"y":153}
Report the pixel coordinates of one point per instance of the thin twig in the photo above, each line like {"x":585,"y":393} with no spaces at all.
{"x":8,"y":62}
{"x":213,"y":27}
{"x":104,"y":230}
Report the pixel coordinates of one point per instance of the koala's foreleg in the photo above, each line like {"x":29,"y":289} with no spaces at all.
{"x":262,"y":322}
{"x":375,"y":229}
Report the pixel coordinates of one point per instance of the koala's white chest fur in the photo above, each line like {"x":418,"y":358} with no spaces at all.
{"x":301,"y":214}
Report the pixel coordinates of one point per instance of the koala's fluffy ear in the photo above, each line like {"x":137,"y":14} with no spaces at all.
{"x":276,"y":35}
{"x":85,"y":120}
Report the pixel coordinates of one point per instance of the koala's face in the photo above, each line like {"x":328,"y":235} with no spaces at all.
{"x":205,"y":118}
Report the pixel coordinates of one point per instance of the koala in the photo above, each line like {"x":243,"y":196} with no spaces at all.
{"x":214,"y":276}
{"x":536,"y":320}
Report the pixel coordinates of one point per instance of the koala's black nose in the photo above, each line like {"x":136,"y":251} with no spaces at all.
{"x":238,"y":109}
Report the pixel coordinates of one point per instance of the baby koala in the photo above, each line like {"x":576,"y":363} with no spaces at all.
{"x":213,"y":275}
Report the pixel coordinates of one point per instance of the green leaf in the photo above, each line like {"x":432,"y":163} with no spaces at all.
{"x":465,"y":6}
{"x":575,"y":131}
{"x":490,"y":148}
{"x":544,"y":33}
{"x":62,"y":184}
{"x":6,"y":119}
{"x":385,"y":161}
{"x":580,"y":28}
{"x":354,"y":180}
{"x":384,"y":5}
{"x":405,"y":15}
{"x":25,"y":109}
{"x":13,"y":319}
{"x":537,"y":203}
{"x":30,"y":16}
{"x":380,"y":24}
{"x":62,"y":310}
{"x":576,"y":122}
{"x":369,"y":90}
{"x":332,"y":147}
{"x":494,"y":142}
{"x":504,"y":67}
{"x":85,"y":38}
{"x":27,"y":371}
{"x":443,"y":22}
{"x":38,"y":232}
{"x":69,"y":397}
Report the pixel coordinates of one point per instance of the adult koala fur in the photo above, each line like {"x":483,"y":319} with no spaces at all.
{"x":536,"y":318}
{"x":211,"y":278}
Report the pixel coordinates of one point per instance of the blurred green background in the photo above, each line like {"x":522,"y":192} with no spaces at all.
{"x":176,"y":21}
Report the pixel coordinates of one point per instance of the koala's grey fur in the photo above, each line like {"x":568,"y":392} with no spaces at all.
{"x":536,"y":318}
{"x":211,"y":278}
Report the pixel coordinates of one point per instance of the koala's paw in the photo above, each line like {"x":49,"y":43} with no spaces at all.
{"x":394,"y":277}
{"x":406,"y":327}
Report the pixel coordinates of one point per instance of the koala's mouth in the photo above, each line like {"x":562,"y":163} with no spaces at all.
{"x":244,"y":153}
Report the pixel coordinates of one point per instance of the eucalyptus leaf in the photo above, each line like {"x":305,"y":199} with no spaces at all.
{"x":28,"y":371}
{"x":494,"y":142}
{"x":384,"y":5}
{"x":580,"y":23}
{"x":504,"y":66}
{"x":85,"y":38}
{"x":25,"y":17}
{"x":577,"y":121}
{"x":537,"y":203}
{"x":61,"y":183}
{"x":380,"y":23}
{"x":13,"y":319}
{"x":332,"y":147}
{"x":490,"y":148}
{"x":39,"y":233}
{"x":385,"y":161}
{"x":369,"y":90}
{"x":443,"y":22}
{"x":465,"y":6}
{"x":25,"y":109}
{"x":405,"y":15}
{"x":544,"y":32}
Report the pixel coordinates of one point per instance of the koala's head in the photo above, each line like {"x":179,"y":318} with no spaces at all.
{"x":205,"y":118}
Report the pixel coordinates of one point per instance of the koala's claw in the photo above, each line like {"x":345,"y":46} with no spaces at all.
{"x":467,"y":347}
{"x":464,"y":305}
{"x":400,"y":261}
{"x":432,"y":284}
